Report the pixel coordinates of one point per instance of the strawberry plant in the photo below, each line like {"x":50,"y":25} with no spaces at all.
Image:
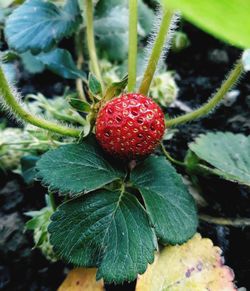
{"x":115,"y":195}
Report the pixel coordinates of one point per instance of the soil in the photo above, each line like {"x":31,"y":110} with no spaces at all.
{"x":200,"y":69}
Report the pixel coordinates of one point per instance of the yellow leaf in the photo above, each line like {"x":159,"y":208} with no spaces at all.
{"x":196,"y":265}
{"x":82,"y":279}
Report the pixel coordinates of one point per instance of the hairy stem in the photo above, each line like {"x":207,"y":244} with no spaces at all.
{"x":15,"y":107}
{"x":232,"y":78}
{"x":91,"y":40}
{"x":132,"y":56}
{"x":156,"y":51}
{"x":237,"y":222}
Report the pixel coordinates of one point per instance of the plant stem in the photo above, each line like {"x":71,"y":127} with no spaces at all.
{"x":52,"y":200}
{"x":79,"y":63}
{"x":16,"y":108}
{"x":156,"y":51}
{"x":237,"y":222}
{"x":91,"y":40}
{"x":232,"y":78}
{"x":132,"y":56}
{"x":167,"y":155}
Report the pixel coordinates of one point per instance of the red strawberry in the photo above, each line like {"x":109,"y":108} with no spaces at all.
{"x":130,"y":126}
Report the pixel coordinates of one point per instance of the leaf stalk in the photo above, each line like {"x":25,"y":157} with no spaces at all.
{"x":14,"y":106}
{"x":227,"y":85}
{"x":156,"y":51}
{"x":91,"y":40}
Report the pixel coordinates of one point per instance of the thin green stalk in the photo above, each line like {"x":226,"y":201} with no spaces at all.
{"x":12,"y":103}
{"x":132,"y":56}
{"x":167,"y":155}
{"x":233,"y":77}
{"x":236,"y":222}
{"x":156,"y":51}
{"x":91,"y":40}
{"x":52,"y":200}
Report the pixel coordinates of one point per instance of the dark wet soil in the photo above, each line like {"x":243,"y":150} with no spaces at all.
{"x":200,"y":69}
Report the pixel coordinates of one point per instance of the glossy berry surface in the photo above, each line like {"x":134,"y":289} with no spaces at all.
{"x":130,"y":126}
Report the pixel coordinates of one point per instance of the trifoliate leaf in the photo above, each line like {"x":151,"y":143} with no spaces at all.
{"x":229,"y":153}
{"x":80,"y":279}
{"x":60,"y":62}
{"x":196,"y":265}
{"x":37,"y":25}
{"x":77,"y":168}
{"x":104,"y":229}
{"x":169,"y":205}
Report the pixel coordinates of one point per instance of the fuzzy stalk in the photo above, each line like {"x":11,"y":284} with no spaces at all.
{"x":12,"y":103}
{"x":91,"y":40}
{"x":227,"y":85}
{"x":156,"y":51}
{"x":132,"y":56}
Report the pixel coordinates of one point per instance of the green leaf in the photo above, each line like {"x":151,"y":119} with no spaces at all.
{"x":229,"y":153}
{"x":111,"y":31}
{"x":9,"y":56}
{"x":28,"y":164}
{"x":94,"y":85}
{"x":60,"y":62}
{"x":38,"y":25}
{"x":102,"y":7}
{"x":79,"y":105}
{"x":169,"y":205}
{"x":227,"y":20}
{"x":34,"y":223}
{"x":104,"y":229}
{"x":77,"y":168}
{"x":31,"y":63}
{"x":146,"y":18}
{"x":111,"y":27}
